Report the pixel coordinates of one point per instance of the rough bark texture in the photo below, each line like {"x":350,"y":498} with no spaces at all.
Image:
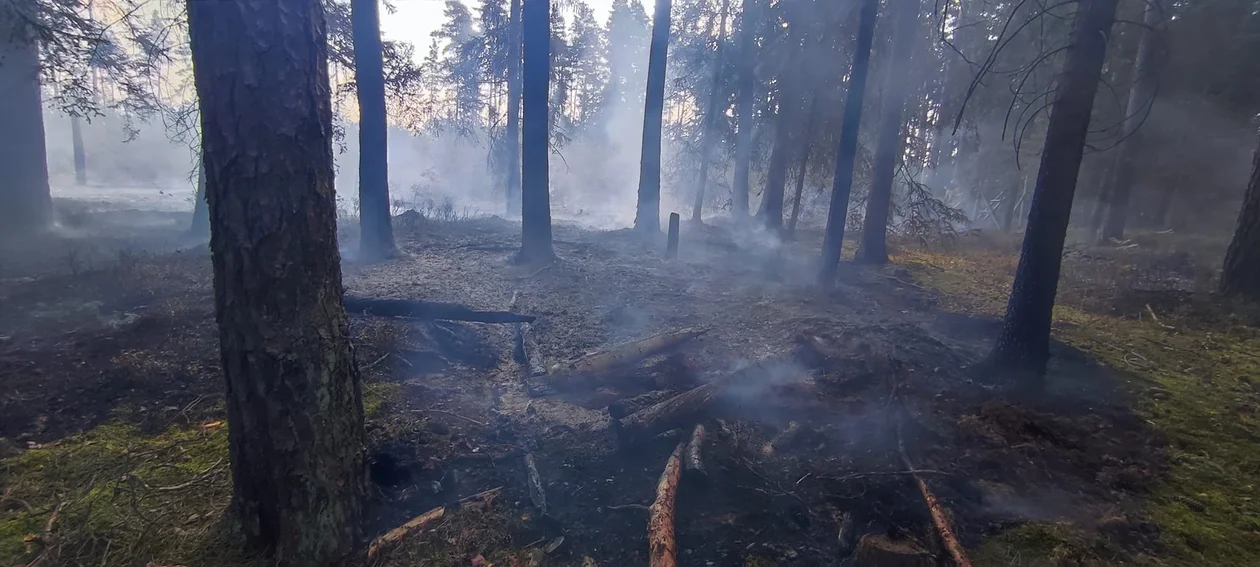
{"x":294,"y":407}
{"x":1241,"y":276}
{"x":200,"y":227}
{"x":747,"y":82}
{"x":535,"y":178}
{"x":1024,"y":342}
{"x":802,"y":167}
{"x":647,"y":217}
{"x":662,"y":547}
{"x":1141,"y":97}
{"x":80,"y":154}
{"x":846,"y":150}
{"x":376,"y":239}
{"x":25,"y":200}
{"x":873,"y":248}
{"x":771,"y":212}
{"x":710,"y":116}
{"x":512,"y":134}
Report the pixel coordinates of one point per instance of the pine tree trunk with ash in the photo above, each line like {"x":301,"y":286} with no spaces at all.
{"x":1023,"y":346}
{"x":1241,"y":274}
{"x":512,"y":134}
{"x":747,"y":83}
{"x":710,"y":117}
{"x":846,"y":149}
{"x":535,"y":177}
{"x":25,"y":198}
{"x":873,"y":248}
{"x":376,"y":238}
{"x":294,"y":407}
{"x":200,"y":227}
{"x":1141,"y":99}
{"x":647,"y":218}
{"x":80,"y":153}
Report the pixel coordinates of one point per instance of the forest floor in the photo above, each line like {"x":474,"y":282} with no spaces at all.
{"x":1141,"y":450}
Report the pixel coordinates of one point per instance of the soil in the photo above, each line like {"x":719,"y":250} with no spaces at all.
{"x":872,"y":364}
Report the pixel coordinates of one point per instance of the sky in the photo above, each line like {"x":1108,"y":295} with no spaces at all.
{"x":414,"y":20}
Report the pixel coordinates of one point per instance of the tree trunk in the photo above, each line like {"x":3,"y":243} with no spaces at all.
{"x":747,"y":82}
{"x":647,"y":218}
{"x":80,"y":155}
{"x":1241,"y":275}
{"x":535,"y":176}
{"x":1141,"y":98}
{"x":873,"y":248}
{"x":771,"y":212}
{"x":710,"y":116}
{"x":25,"y":199}
{"x":1024,"y":342}
{"x":512,"y":144}
{"x":846,"y":150}
{"x":376,"y":239}
{"x":803,"y":166}
{"x":294,"y":407}
{"x":201,"y":211}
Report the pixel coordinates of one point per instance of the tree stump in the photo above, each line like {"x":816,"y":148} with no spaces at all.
{"x":671,"y":241}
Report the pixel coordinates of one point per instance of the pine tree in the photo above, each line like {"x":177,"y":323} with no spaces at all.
{"x":535,"y":197}
{"x":25,"y":197}
{"x":647,"y":217}
{"x":376,"y":238}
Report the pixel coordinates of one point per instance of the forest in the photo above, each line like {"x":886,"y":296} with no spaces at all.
{"x":627,"y":282}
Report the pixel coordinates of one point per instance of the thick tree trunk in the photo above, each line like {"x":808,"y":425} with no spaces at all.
{"x":25,"y":199}
{"x":376,"y":239}
{"x":294,"y":407}
{"x":1141,"y":97}
{"x":647,"y":217}
{"x":747,"y":82}
{"x":1024,"y":342}
{"x":802,"y":166}
{"x":873,"y":248}
{"x":710,"y":116}
{"x":512,"y":135}
{"x":200,"y":227}
{"x":80,"y":154}
{"x":846,"y":150}
{"x":771,"y":212}
{"x":1241,"y":276}
{"x":535,"y":176}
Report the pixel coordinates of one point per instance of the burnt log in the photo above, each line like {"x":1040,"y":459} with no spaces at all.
{"x":693,"y":458}
{"x":429,"y":310}
{"x":662,"y":548}
{"x":584,"y":371}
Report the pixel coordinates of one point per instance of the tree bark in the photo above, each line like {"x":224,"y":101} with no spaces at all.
{"x":873,"y":248}
{"x":512,"y":145}
{"x":80,"y":154}
{"x":710,"y":116}
{"x":294,"y":407}
{"x":1023,"y":345}
{"x":25,"y":198}
{"x":376,"y":238}
{"x":747,"y":82}
{"x":201,"y":211}
{"x":647,"y":218}
{"x":771,"y":212}
{"x":803,"y":166}
{"x":535,"y":177}
{"x":1241,"y":275}
{"x":1141,"y":98}
{"x":846,"y":150}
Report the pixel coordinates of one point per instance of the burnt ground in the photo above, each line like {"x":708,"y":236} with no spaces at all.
{"x":878,"y":360}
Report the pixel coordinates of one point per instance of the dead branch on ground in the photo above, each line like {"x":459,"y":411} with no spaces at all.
{"x":783,"y":438}
{"x":429,"y":310}
{"x":693,"y":463}
{"x":662,"y":548}
{"x":579,"y":372}
{"x":940,"y":517}
{"x":392,"y":537}
{"x":536,"y":493}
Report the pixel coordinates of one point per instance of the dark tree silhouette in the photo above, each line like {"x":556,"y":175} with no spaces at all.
{"x":1023,"y":346}
{"x":873,"y":248}
{"x":294,"y":407}
{"x":1141,"y":97}
{"x":747,"y":85}
{"x":1241,"y":276}
{"x":200,"y":227}
{"x":512,"y":134}
{"x":376,"y":240}
{"x":647,"y":217}
{"x":771,"y":211}
{"x":80,"y":154}
{"x":25,"y":199}
{"x":535,"y":199}
{"x":710,"y":116}
{"x":846,"y":149}
{"x":804,"y":149}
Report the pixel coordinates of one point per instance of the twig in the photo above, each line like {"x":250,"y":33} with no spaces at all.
{"x":200,"y":477}
{"x":901,"y":281}
{"x":883,"y":473}
{"x":629,"y":507}
{"x":377,"y":361}
{"x":452,"y":414}
{"x":939,"y":519}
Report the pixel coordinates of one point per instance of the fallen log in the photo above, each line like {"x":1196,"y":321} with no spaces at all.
{"x":395,"y":535}
{"x":429,"y":310}
{"x":940,"y":517}
{"x":627,"y":354}
{"x":536,"y":493}
{"x":783,"y":438}
{"x":662,"y":549}
{"x":526,"y":352}
{"x":693,"y":461}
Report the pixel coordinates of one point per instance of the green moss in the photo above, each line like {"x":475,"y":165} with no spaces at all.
{"x":376,"y":393}
{"x":1194,"y":385}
